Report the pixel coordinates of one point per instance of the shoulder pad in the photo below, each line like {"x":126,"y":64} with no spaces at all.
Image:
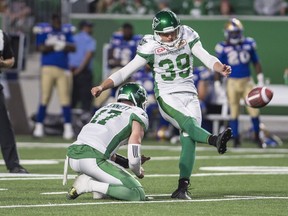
{"x":147,"y":44}
{"x":68,"y":28}
{"x":249,"y":39}
{"x":137,"y":37}
{"x":189,"y":33}
{"x":41,"y":28}
{"x":219,"y":47}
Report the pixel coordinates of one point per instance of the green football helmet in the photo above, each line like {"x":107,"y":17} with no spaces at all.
{"x":133,"y":92}
{"x":166,"y":21}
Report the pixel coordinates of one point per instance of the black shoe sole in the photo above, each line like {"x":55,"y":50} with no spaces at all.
{"x":225,"y":137}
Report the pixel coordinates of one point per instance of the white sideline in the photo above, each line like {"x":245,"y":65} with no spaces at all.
{"x":161,"y":158}
{"x":233,"y":198}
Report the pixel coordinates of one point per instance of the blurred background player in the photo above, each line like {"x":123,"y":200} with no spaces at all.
{"x":122,"y":49}
{"x":123,"y":46}
{"x":80,"y":63}
{"x":54,"y":42}
{"x":239,"y":51}
{"x":112,"y":126}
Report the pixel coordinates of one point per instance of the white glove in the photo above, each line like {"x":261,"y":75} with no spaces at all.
{"x":59,"y":45}
{"x":260,"y":79}
{"x":51,"y":41}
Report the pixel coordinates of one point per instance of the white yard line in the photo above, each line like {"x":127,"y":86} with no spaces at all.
{"x":156,"y":147}
{"x":143,"y":202}
{"x":162,"y":158}
{"x":9,"y":177}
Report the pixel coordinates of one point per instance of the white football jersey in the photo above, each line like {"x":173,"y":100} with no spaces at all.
{"x":110,"y":127}
{"x":172,"y":66}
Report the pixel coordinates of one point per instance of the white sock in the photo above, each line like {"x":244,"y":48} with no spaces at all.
{"x":98,"y":186}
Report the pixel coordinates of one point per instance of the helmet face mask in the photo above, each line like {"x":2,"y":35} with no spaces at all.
{"x":134,"y":93}
{"x":166,"y":21}
{"x":234,"y":31}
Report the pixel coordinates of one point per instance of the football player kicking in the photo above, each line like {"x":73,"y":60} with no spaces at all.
{"x":170,"y":52}
{"x":111,"y":126}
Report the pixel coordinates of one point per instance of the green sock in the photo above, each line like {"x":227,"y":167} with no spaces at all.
{"x":198,"y":134}
{"x":187,"y":157}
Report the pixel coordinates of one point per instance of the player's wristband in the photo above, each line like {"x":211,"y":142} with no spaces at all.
{"x":134,"y":157}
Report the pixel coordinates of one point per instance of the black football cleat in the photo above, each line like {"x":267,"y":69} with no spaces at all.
{"x":222,"y":139}
{"x":181,"y":193}
{"x":182,"y":190}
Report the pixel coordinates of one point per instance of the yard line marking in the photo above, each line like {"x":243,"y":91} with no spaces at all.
{"x":257,"y":197}
{"x":252,"y":169}
{"x":64,"y":192}
{"x":54,"y":193}
{"x":156,"y":147}
{"x":3,"y":189}
{"x":7,"y":177}
{"x":35,"y":162}
{"x":161,"y":158}
{"x":140,"y":202}
{"x":221,"y":157}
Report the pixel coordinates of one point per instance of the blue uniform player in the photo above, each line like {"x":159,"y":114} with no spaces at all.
{"x":239,"y":51}
{"x":54,"y":42}
{"x":123,"y":46}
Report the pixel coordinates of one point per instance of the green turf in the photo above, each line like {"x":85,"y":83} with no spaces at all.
{"x":246,"y":194}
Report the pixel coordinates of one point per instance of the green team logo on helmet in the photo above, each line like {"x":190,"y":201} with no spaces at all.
{"x":165,"y":21}
{"x":134,"y":93}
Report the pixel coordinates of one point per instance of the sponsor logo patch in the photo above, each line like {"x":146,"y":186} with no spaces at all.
{"x":160,"y":50}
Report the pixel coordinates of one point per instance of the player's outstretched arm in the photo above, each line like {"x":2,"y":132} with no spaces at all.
{"x":106,"y":84}
{"x":223,"y":69}
{"x":119,"y":76}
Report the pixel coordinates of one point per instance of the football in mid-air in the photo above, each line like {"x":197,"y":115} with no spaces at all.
{"x":259,"y":97}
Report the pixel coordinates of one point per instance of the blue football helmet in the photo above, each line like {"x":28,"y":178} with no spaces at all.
{"x":233,"y":31}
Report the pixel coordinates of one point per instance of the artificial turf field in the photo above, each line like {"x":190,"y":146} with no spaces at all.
{"x":244,"y":181}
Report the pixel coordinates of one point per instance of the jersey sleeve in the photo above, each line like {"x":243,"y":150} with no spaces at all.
{"x":140,"y":116}
{"x":191,"y":35}
{"x":145,"y":48}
